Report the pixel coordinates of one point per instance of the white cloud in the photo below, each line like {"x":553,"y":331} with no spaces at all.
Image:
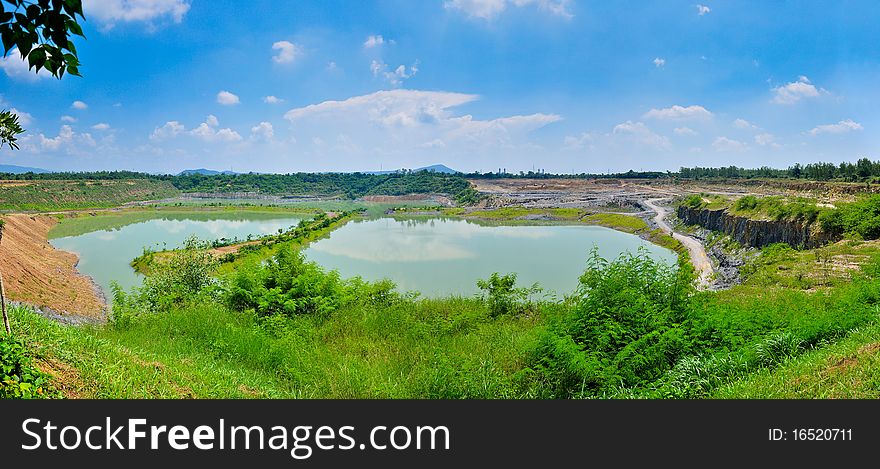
{"x":793,"y":92}
{"x":436,"y":143}
{"x":272,"y":100}
{"x":110,"y":12}
{"x":744,"y":124}
{"x":263,"y":132}
{"x":171,"y":129}
{"x":659,"y":62}
{"x":226,"y":98}
{"x":395,"y":77}
{"x":685,"y":131}
{"x":678,"y":112}
{"x":390,"y":106}
{"x":67,"y":140}
{"x":79,"y":105}
{"x":70,"y":119}
{"x":17,"y":69}
{"x":577,"y":142}
{"x":24,"y":118}
{"x":838,"y":128}
{"x":490,"y":9}
{"x":727,"y":144}
{"x":374,"y":41}
{"x":640,"y":133}
{"x":101,"y":126}
{"x":208,"y":131}
{"x":702,"y":9}
{"x":65,"y":135}
{"x":395,"y":120}
{"x":766,"y":139}
{"x":287,"y":52}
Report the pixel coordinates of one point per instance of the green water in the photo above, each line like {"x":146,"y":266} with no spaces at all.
{"x":106,"y":254}
{"x":440,"y":256}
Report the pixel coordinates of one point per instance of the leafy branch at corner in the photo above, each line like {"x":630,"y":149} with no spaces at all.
{"x":42,"y":31}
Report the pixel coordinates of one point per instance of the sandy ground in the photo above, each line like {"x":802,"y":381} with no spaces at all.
{"x":36,"y":273}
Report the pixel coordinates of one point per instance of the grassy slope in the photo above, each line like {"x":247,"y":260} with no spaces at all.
{"x":439,"y":348}
{"x":65,"y":195}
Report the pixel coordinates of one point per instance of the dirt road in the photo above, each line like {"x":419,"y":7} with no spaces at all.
{"x":696,"y":250}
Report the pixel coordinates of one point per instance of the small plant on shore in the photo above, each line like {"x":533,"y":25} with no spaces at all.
{"x":19,"y":379}
{"x":503,"y":297}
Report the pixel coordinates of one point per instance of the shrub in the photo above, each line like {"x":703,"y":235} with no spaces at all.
{"x":777,"y":348}
{"x":624,"y":329}
{"x":503,"y":297}
{"x":18,"y":378}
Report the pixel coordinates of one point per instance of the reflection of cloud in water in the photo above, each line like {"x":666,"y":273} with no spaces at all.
{"x":106,"y":236}
{"x":396,"y":242}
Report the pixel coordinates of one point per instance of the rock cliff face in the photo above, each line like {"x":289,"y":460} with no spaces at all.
{"x":756,"y":233}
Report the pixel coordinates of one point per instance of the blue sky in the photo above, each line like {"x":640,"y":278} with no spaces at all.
{"x":577,"y":85}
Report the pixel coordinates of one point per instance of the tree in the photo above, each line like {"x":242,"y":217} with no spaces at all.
{"x":41,"y":31}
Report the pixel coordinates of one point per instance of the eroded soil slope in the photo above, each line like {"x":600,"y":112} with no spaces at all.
{"x":34,"y":272}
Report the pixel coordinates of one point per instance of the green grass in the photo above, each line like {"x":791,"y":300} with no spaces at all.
{"x":49,"y":195}
{"x":431,"y":348}
{"x":514,"y":213}
{"x":847,"y":369}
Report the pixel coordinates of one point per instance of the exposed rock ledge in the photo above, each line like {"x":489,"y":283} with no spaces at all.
{"x":757,"y":233}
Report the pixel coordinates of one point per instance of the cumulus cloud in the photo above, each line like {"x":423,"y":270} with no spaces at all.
{"x":171,"y":129}
{"x":79,"y":105}
{"x":287,"y":52}
{"x":394,"y":77}
{"x":793,"y":92}
{"x":67,"y":140}
{"x":263,"y":132}
{"x":399,"y":119}
{"x":110,"y":12}
{"x":490,"y":9}
{"x":685,"y":131}
{"x":744,"y":124}
{"x":703,"y":10}
{"x":640,"y":133}
{"x":227,"y":99}
{"x":766,"y":139}
{"x":16,"y":67}
{"x":272,"y":100}
{"x":679,"y":112}
{"x":838,"y":128}
{"x":374,"y":40}
{"x":579,"y":141}
{"x":70,"y":119}
{"x":101,"y":126}
{"x":726,"y":144}
{"x":659,"y":62}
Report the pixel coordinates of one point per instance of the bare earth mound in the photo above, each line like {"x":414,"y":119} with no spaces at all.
{"x":36,"y":273}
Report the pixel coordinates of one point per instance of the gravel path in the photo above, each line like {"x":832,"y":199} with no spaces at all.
{"x":695,"y":248}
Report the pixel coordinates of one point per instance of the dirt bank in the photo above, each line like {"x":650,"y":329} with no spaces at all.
{"x":36,"y":273}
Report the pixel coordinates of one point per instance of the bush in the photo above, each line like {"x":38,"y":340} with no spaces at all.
{"x":859,"y":219}
{"x":18,"y":378}
{"x":502,"y":295}
{"x":625,"y":328}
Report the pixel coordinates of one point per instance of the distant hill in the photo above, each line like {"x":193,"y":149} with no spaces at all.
{"x":434,"y":168}
{"x":8,"y":168}
{"x":203,"y":172}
